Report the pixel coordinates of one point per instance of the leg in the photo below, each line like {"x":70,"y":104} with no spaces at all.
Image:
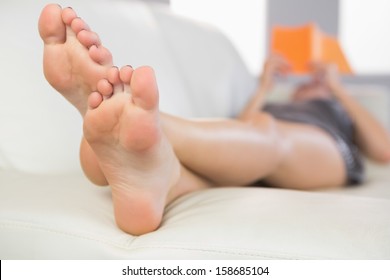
{"x":227,"y":152}
{"x":312,"y":159}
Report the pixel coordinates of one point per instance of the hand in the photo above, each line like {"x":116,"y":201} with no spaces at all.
{"x":274,"y":65}
{"x":326,"y":73}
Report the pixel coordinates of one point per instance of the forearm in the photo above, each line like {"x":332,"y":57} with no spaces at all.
{"x":274,"y":65}
{"x":372,"y":138}
{"x":255,"y":103}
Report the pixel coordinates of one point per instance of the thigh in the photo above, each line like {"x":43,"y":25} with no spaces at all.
{"x":311,"y":160}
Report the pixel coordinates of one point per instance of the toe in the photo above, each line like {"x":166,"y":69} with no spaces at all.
{"x":125,"y":76}
{"x":68,"y":15}
{"x":105,"y":88}
{"x":114,"y":79}
{"x":100,"y":55}
{"x":144,"y":88}
{"x":94,"y":100}
{"x":88,"y":38}
{"x":126,"y":73}
{"x":51,"y":27}
{"x":78,"y":25}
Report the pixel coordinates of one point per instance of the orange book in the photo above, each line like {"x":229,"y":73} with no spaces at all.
{"x":305,"y":44}
{"x":332,"y":53}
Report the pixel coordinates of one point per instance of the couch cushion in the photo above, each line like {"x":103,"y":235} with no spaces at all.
{"x":65,"y":217}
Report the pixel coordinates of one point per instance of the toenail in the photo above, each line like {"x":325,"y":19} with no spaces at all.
{"x":129,"y":66}
{"x":69,"y":8}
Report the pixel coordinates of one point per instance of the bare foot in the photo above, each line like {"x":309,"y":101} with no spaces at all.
{"x":123,"y":128}
{"x":74,"y":59}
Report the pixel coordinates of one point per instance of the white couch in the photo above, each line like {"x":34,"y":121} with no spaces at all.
{"x":48,"y":210}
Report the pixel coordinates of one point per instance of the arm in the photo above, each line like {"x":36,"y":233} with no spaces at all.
{"x":255,"y":103}
{"x":372,"y":138}
{"x":274,"y":65}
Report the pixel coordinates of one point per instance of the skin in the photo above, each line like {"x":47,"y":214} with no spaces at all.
{"x":150,"y":158}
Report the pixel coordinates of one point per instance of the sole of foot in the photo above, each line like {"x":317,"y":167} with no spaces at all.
{"x":123,"y":128}
{"x":74,"y":58}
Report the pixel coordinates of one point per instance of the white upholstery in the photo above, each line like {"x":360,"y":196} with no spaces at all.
{"x":49,"y":210}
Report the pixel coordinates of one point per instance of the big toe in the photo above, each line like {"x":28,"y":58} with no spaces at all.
{"x":144,"y":88}
{"x":51,"y":27}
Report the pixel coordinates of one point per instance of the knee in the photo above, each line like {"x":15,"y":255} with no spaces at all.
{"x":266,"y":125}
{"x":269,"y":131}
{"x":258,"y":118}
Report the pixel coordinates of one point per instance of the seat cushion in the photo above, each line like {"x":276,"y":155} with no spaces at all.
{"x":65,"y":217}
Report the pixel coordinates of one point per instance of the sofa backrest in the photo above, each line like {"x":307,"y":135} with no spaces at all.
{"x":198,"y":71}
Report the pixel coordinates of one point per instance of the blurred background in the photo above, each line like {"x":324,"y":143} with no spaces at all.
{"x":361,"y":26}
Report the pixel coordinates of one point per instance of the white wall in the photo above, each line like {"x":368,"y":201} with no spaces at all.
{"x":243,"y":22}
{"x":161,"y":1}
{"x":364,"y":33}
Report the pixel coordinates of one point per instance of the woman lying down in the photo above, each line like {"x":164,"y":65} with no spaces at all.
{"x":150,"y":158}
